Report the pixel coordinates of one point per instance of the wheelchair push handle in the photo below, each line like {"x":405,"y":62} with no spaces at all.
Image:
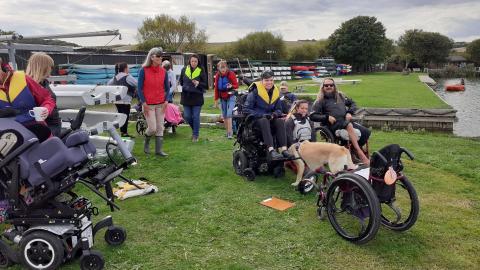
{"x":406,"y":151}
{"x":384,"y":160}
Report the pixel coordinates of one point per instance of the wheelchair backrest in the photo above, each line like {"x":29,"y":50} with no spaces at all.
{"x":389,"y":155}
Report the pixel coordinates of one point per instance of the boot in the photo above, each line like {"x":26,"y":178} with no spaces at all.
{"x":146,"y":145}
{"x":159,"y":146}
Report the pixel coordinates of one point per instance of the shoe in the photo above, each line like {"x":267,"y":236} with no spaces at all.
{"x":194,"y":139}
{"x":229,"y":136}
{"x":275,"y":155}
{"x":286,"y":154}
{"x":170,"y":130}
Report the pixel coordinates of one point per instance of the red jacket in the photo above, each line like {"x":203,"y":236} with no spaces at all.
{"x":233,"y":81}
{"x":152,"y":83}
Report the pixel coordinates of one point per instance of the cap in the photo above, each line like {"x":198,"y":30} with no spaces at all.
{"x":267,"y":74}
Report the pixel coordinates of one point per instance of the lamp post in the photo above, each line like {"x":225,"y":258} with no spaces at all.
{"x":270,"y":52}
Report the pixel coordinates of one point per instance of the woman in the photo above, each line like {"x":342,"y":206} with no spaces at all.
{"x":22,"y":94}
{"x":123,"y":78}
{"x":298,"y":126}
{"x":39,"y":67}
{"x":335,"y":110}
{"x":194,"y":83}
{"x":171,"y":79}
{"x":225,"y":86}
{"x":152,"y":88}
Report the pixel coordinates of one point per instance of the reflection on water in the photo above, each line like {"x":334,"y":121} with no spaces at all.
{"x":467,"y":104}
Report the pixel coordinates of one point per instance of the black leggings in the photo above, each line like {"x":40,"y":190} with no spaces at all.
{"x":125,"y":109}
{"x":267,"y":127}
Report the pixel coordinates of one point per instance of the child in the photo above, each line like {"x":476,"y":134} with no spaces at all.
{"x":298,"y":126}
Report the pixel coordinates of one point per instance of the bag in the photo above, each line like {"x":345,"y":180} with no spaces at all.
{"x":173,"y":115}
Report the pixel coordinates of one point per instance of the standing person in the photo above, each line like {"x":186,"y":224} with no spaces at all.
{"x":263,"y":102}
{"x":152,"y":88}
{"x":225,"y":86}
{"x":21,"y":93}
{"x":123,"y":78}
{"x":194,"y":83}
{"x":39,"y":68}
{"x":298,"y":127}
{"x":335,"y":110}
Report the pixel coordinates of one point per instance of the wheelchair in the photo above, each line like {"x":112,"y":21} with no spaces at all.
{"x":358,"y":202}
{"x":50,"y":224}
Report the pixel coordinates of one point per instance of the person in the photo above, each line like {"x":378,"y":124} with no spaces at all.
{"x":336,"y":110}
{"x":225,"y":86}
{"x":194,"y":82}
{"x":263,"y":102}
{"x":123,"y":78}
{"x":462,"y":81}
{"x":286,"y":97}
{"x":152,"y":88}
{"x":171,"y":79}
{"x":297,"y":125}
{"x":21,"y":93}
{"x":39,"y":68}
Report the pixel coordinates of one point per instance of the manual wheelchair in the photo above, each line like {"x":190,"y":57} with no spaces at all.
{"x":357,"y":202}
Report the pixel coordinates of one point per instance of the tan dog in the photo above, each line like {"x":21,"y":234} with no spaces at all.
{"x":318,"y":154}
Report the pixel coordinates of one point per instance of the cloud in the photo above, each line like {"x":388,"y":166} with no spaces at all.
{"x":230,"y":20}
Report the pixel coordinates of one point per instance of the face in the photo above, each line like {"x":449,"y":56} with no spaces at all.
{"x":268,"y":83}
{"x":193,"y":62}
{"x":156,"y":59}
{"x":284,"y":89}
{"x":223,"y":69}
{"x":303,"y":109}
{"x":328,"y":86}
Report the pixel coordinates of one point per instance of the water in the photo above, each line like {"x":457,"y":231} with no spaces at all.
{"x":467,"y":104}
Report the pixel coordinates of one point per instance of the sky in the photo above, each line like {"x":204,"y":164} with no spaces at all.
{"x":226,"y":21}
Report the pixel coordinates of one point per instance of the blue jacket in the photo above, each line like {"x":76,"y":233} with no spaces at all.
{"x":260,"y":103}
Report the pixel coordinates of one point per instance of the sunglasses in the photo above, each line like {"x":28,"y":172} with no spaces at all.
{"x":328,"y":85}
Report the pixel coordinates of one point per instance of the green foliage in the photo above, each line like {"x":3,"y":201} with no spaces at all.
{"x":360,"y":42}
{"x":172,"y":35}
{"x":255,"y":46}
{"x":308,"y":52}
{"x":473,"y":51}
{"x":3,"y":32}
{"x":425,"y":47}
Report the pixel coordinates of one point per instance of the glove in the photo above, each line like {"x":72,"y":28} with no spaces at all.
{"x":276,"y":115}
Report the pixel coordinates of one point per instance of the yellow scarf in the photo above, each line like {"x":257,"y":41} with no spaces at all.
{"x":263,"y":93}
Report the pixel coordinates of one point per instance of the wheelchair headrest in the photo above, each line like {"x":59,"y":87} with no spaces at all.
{"x":10,"y":140}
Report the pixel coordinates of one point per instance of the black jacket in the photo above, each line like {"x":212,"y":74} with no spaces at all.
{"x":54,"y":118}
{"x":191,"y":95}
{"x":330,"y":107}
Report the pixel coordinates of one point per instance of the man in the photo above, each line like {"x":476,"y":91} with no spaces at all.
{"x":264,"y":103}
{"x":22,"y":93}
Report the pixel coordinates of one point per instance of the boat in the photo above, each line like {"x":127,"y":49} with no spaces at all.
{"x":455,"y":87}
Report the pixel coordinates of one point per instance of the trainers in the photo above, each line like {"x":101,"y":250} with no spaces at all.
{"x":275,"y":155}
{"x":194,"y":139}
{"x":170,"y":130}
{"x":286,"y":154}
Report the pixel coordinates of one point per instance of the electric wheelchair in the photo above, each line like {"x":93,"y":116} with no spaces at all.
{"x":48,"y":223}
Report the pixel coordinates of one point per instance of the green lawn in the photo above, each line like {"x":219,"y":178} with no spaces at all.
{"x":378,"y":90}
{"x":207,"y":217}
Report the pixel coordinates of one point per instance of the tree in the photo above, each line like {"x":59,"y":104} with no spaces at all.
{"x":308,"y":52}
{"x":424,"y":47}
{"x":255,"y":46}
{"x":172,"y":35}
{"x":360,"y":42}
{"x":473,"y":51}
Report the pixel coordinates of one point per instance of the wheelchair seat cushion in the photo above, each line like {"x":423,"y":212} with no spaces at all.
{"x":77,"y":138}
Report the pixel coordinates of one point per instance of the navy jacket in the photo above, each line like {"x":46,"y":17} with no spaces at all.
{"x":259,"y":102}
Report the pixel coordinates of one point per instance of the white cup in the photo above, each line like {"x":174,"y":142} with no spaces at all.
{"x":37,"y":113}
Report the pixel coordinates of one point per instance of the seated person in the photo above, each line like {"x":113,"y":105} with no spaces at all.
{"x":263,"y":102}
{"x":286,"y":97}
{"x":298,"y":127}
{"x":335,"y":110}
{"x":22,"y":93}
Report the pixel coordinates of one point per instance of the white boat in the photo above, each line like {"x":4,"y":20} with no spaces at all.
{"x":74,"y":96}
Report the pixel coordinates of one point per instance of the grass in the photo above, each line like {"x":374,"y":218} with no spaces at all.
{"x":207,"y":217}
{"x":378,"y":90}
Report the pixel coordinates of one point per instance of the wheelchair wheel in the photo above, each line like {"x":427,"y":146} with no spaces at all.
{"x":402,"y":212}
{"x":92,"y":261}
{"x":323,"y":134}
{"x":115,"y":236}
{"x":249,"y":173}
{"x":353,"y":208}
{"x":41,"y":250}
{"x":278,"y":172}
{"x":141,"y":126}
{"x":240,"y":162}
{"x":5,"y":262}
{"x":306,"y":185}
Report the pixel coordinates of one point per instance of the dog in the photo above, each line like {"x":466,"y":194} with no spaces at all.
{"x":318,"y":154}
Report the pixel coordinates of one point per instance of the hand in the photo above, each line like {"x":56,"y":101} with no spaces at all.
{"x":229,"y":85}
{"x":348,"y":117}
{"x":195,"y":83}
{"x":145,"y":108}
{"x":44,"y":113}
{"x":331,"y":119}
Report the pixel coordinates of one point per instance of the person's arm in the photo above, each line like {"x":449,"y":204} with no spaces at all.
{"x":41,"y":95}
{"x":351,"y":106}
{"x":110,"y":82}
{"x":182,"y":74}
{"x":318,"y":115}
{"x":215,"y":87}
{"x":314,"y":134}
{"x":277,"y":109}
{"x":233,"y":80}
{"x":166,"y":85}
{"x":250,"y":104}
{"x":289,"y":126}
{"x":173,"y":81}
{"x":202,"y":79}
{"x":132,"y":81}
{"x":141,"y":78}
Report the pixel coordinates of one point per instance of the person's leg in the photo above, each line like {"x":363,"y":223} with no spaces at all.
{"x":228,"y":117}
{"x":151,"y":120}
{"x":264,"y":125}
{"x":196,"y":121}
{"x":56,"y":129}
{"x":125,"y":109}
{"x":160,"y":118}
{"x":224,"y":107}
{"x":187,"y":115}
{"x":365,"y":134}
{"x":354,"y":140}
{"x":281,"y":136}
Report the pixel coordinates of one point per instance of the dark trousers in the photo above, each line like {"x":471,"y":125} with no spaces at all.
{"x":125,"y":109}
{"x":268,"y":127}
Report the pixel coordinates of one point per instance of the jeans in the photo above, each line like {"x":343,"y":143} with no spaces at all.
{"x":227,"y":107}
{"x":192,"y":117}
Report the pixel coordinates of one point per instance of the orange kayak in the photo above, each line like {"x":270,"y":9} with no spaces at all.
{"x":455,"y":87}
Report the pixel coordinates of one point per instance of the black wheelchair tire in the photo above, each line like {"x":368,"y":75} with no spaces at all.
{"x":115,"y":235}
{"x":323,"y":134}
{"x":414,"y":208}
{"x":371,"y":199}
{"x":44,"y":242}
{"x":239,"y":161}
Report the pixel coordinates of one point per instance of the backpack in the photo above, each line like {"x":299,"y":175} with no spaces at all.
{"x":173,"y":115}
{"x":123,"y":82}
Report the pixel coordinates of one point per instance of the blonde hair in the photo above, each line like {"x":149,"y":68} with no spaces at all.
{"x":148,"y":59}
{"x":221,"y":63}
{"x":39,"y":66}
{"x":339,"y":96}
{"x":296,"y":104}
